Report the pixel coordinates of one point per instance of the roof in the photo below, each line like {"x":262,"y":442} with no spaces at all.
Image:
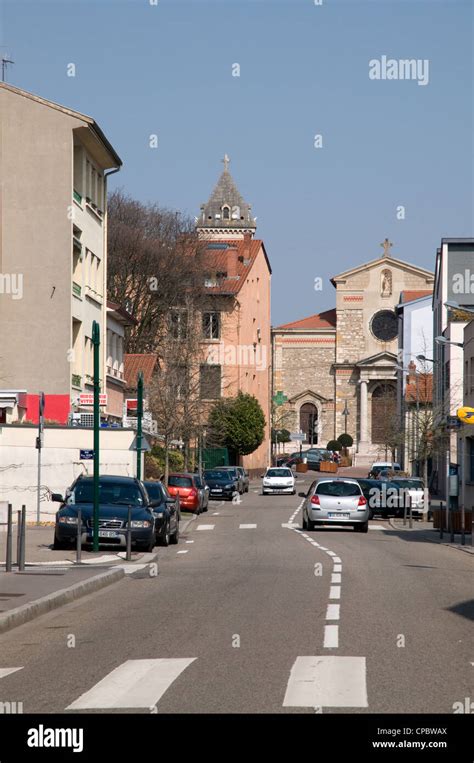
{"x":409,"y":296}
{"x":326,"y":320}
{"x":71,"y":113}
{"x":133,"y":364}
{"x":226,"y":193}
{"x":389,"y":262}
{"x":420,"y":390}
{"x":120,"y":314}
{"x":216,"y":261}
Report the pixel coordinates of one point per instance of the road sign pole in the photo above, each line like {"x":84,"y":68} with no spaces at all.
{"x":39,"y":445}
{"x":96,"y":344}
{"x":139,"y":424}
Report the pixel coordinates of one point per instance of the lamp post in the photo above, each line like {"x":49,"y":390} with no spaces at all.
{"x":139,"y":423}
{"x":345,"y":413}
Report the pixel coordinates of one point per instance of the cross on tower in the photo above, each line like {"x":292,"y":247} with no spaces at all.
{"x":226,"y":161}
{"x":386,"y":247}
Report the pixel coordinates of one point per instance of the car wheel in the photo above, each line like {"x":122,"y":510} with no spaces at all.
{"x":311,"y":525}
{"x":60,"y":545}
{"x":371,"y":513}
{"x":293,"y":492}
{"x":174,"y":539}
{"x":305,"y":523}
{"x":363,"y":528}
{"x":165,"y":539}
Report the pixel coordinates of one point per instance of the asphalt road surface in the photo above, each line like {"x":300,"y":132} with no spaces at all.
{"x":251,"y":614}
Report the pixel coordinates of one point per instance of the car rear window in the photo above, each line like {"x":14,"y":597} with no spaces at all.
{"x":338,"y":489}
{"x":156,"y":491}
{"x":410,"y":484}
{"x":174,"y":481}
{"x":279,"y":473}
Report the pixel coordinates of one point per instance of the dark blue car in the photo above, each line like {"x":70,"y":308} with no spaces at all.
{"x":116,"y":495}
{"x":221,"y":483}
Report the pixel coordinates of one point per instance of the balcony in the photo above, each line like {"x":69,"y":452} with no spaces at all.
{"x":76,"y":289}
{"x":76,"y":381}
{"x":77,"y":197}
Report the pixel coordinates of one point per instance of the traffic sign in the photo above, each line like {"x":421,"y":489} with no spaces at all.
{"x":297,"y":436}
{"x":86,"y":455}
{"x":453,"y":422}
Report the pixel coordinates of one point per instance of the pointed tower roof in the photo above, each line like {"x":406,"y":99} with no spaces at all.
{"x":226,"y":213}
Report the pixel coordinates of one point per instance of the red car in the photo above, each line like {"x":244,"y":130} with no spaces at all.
{"x":190,"y":491}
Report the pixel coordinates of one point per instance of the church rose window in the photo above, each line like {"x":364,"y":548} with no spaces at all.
{"x":384,"y":325}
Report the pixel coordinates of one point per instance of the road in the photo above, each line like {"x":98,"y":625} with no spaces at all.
{"x":249,"y":614}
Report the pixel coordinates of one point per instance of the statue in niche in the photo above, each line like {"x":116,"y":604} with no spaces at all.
{"x":386,"y":283}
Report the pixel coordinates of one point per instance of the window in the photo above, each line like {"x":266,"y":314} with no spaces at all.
{"x":211,"y":325}
{"x":225,"y":213}
{"x":210,"y":382}
{"x":178,"y":324}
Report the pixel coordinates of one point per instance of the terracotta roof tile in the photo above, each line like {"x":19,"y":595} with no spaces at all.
{"x":409,"y":296}
{"x":134,"y":364}
{"x":216,"y":258}
{"x":319,"y":321}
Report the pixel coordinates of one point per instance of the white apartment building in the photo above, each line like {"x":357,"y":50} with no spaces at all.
{"x":54,"y":164}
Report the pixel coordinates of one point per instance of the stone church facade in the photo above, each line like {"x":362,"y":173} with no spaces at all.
{"x":344,"y":360}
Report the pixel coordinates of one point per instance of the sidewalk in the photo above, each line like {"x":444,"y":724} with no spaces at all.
{"x":423,"y":532}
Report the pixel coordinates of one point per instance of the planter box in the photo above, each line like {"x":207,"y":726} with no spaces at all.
{"x":455,"y":519}
{"x":328,"y":466}
{"x":346,"y":461}
{"x":302,"y":467}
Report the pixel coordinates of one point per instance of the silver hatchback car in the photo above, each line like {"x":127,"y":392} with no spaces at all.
{"x":334,"y":501}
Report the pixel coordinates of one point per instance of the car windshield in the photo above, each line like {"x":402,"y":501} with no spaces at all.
{"x":338,"y":489}
{"x":279,"y":473}
{"x":178,"y":481}
{"x":410,"y":484}
{"x":156,"y":491}
{"x":125,"y":493}
{"x":215,"y":475}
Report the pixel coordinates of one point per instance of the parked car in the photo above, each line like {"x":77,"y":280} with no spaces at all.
{"x":203,"y":491}
{"x":166,"y":512}
{"x":375,"y":491}
{"x":186,"y":487}
{"x":335,"y":501}
{"x":236,"y":475}
{"x":245,"y":478}
{"x":116,"y":495}
{"x":378,"y":466}
{"x":412,"y":490}
{"x":278,"y":479}
{"x":222,"y":484}
{"x":313,"y":458}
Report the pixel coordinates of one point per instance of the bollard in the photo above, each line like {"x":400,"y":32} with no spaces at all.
{"x":79,"y":537}
{"x":21,"y":563}
{"x":404,"y":509}
{"x":129,"y":535}
{"x":8,"y":556}
{"x":451,"y":522}
{"x":441,"y":520}
{"x":410,"y":516}
{"x":18,"y":536}
{"x":463,"y":531}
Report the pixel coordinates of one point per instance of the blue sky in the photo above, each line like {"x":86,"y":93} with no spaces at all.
{"x":304,"y":70}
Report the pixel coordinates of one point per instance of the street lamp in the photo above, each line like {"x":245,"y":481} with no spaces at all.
{"x":443,"y":340}
{"x":345,"y":413}
{"x":424,"y":359}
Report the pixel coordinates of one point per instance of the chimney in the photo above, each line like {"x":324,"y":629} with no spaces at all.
{"x":247,"y":240}
{"x":232,"y":262}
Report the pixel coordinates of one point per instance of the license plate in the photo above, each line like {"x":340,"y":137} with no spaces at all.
{"x":217,"y":490}
{"x":108,"y":534}
{"x":332,"y":515}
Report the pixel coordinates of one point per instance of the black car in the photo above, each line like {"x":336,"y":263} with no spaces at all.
{"x":222,"y":484}
{"x":235,"y":474}
{"x":166,"y":512}
{"x":116,"y":495}
{"x":382,"y":496}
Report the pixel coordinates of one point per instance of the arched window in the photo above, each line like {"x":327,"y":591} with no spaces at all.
{"x":225,"y":212}
{"x":309,"y":422}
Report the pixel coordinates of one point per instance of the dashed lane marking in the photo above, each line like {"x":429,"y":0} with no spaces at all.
{"x":333,"y":612}
{"x":335,"y":592}
{"x":336,"y":577}
{"x":183,"y":552}
{"x":247,"y":527}
{"x":205,"y":527}
{"x":331,"y":636}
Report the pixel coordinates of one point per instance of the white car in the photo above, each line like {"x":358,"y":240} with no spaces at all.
{"x":412,"y":491}
{"x":278,"y":479}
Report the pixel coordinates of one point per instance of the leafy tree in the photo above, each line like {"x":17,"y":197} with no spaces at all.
{"x":345,"y":440}
{"x":280,"y":435}
{"x":237,"y":423}
{"x":334,"y":445}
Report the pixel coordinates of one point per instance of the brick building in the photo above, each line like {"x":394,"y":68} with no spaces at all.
{"x":344,"y":359}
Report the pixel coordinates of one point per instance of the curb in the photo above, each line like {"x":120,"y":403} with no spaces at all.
{"x":455,"y":546}
{"x":34,"y":609}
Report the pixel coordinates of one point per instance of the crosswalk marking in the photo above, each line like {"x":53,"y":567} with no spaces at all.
{"x":205,"y":527}
{"x":327,"y":682}
{"x":6,"y":671}
{"x":134,"y":684}
{"x":247,"y":527}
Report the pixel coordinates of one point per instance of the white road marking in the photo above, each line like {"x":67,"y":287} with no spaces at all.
{"x":205,"y":527}
{"x":183,"y":552}
{"x":331,"y":636}
{"x":135,"y":683}
{"x":106,"y":558}
{"x":53,"y":563}
{"x":330,"y":553}
{"x":290,"y":524}
{"x":333,"y":612}
{"x":6,"y":671}
{"x":335,"y":592}
{"x":216,"y":514}
{"x":337,"y":568}
{"x":376,"y":527}
{"x":247,"y":527}
{"x":337,"y":560}
{"x":189,"y":541}
{"x":129,"y":568}
{"x":336,"y":577}
{"x":327,"y":682}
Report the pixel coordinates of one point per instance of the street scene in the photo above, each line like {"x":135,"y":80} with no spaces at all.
{"x":236,"y":373}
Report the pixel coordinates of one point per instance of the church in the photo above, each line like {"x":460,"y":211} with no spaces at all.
{"x":336,"y":371}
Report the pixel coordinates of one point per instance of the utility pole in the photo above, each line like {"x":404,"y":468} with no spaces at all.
{"x":96,"y":344}
{"x":139,"y":424}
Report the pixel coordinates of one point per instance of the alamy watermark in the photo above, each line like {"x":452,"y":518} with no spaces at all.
{"x":416,"y":69}
{"x":12,"y":284}
{"x":238,"y":355}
